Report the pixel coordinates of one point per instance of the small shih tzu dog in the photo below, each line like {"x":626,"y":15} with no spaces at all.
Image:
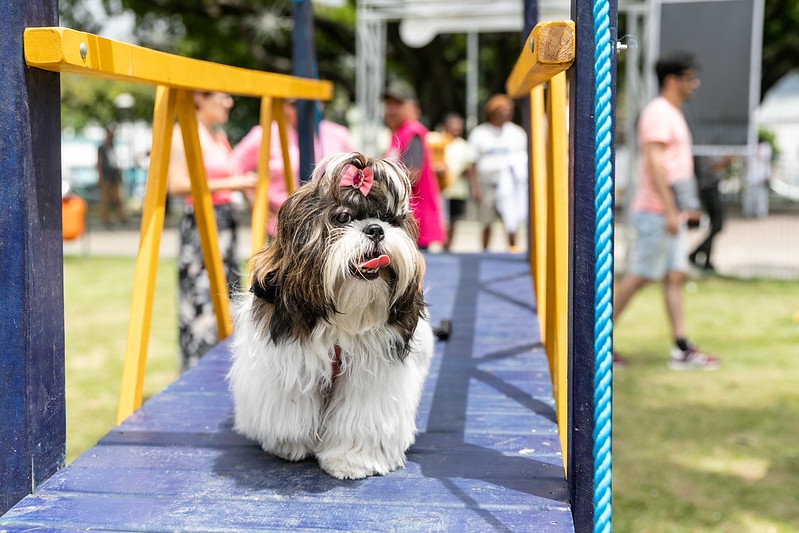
{"x":332,"y":344}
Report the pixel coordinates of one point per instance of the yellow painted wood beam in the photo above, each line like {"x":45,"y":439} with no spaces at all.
{"x":64,"y":50}
{"x":260,"y":207}
{"x":558,"y":273}
{"x":549,"y":49}
{"x":153,"y":212}
{"x":282,"y":131}
{"x":538,"y":201}
{"x":204,"y":212}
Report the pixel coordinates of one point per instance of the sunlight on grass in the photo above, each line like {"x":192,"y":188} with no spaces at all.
{"x":709,"y":451}
{"x":97,"y":297}
{"x":748,"y":468}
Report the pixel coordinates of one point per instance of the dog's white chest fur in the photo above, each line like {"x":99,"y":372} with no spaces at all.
{"x":357,"y":424}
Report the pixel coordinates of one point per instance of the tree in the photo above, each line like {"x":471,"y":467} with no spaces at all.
{"x":780,"y":41}
{"x":85,"y":100}
{"x":257,"y":34}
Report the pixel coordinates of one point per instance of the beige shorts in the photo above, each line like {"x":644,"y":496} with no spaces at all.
{"x":487,"y":210}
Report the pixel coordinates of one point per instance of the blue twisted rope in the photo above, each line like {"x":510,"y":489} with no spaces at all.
{"x":603,"y":255}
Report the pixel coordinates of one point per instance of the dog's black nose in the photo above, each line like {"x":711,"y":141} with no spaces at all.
{"x":375,"y":232}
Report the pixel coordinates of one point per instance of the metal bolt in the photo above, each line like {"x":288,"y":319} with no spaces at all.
{"x":83,"y":50}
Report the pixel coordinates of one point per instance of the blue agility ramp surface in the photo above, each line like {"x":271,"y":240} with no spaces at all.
{"x":487,"y":457}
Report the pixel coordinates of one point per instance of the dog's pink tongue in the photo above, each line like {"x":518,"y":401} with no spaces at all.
{"x":377,"y":262}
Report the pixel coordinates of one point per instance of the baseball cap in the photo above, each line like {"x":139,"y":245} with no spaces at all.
{"x":399,"y":90}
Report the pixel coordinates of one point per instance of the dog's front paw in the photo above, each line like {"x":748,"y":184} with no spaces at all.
{"x":290,"y":450}
{"x":354,"y":465}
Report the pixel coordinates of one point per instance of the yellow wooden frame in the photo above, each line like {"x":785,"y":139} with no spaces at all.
{"x":549,"y":51}
{"x":64,"y":50}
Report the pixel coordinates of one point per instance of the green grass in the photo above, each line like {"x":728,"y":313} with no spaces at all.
{"x":692,"y":451}
{"x":709,"y":451}
{"x":97,"y":297}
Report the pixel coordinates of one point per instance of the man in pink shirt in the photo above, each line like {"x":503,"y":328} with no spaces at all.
{"x":665,"y":159}
{"x":409,"y":147}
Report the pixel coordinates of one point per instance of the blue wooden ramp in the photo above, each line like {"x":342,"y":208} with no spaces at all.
{"x":487,"y":457}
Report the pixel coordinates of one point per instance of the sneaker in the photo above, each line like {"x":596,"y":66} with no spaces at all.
{"x":619,"y":362}
{"x":692,"y":359}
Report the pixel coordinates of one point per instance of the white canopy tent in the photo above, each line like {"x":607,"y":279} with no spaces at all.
{"x":420,"y":22}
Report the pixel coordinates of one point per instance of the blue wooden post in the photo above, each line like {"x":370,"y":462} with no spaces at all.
{"x":303,"y":57}
{"x":32,"y":413}
{"x":530,"y":20}
{"x":583,"y":227}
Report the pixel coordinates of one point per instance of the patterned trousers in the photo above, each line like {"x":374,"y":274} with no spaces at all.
{"x":196,"y":317}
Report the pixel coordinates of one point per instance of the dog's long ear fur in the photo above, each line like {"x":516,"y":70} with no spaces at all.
{"x":404,"y":315}
{"x":266,"y":288}
{"x":280,"y":275}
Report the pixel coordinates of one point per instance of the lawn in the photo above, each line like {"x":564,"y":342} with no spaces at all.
{"x":692,"y":451}
{"x":709,"y":451}
{"x":97,"y":297}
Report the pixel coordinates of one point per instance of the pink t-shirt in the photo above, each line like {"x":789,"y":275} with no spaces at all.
{"x":334,"y":138}
{"x":217,"y":161}
{"x":661,"y":122}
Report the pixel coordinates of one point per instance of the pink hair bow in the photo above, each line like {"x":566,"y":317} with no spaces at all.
{"x":357,"y":178}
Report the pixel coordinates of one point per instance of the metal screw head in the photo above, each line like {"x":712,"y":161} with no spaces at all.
{"x":83,"y":50}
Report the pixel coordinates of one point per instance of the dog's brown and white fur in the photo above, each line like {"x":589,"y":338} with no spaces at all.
{"x":330,"y":353}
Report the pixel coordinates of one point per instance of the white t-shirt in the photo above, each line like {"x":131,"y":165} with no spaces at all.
{"x":492,"y":148}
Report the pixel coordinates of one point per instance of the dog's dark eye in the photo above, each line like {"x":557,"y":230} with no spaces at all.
{"x":343,"y":218}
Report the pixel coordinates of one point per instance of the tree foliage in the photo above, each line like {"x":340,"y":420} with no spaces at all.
{"x":85,"y":100}
{"x":257,"y":34}
{"x":780,"y":41}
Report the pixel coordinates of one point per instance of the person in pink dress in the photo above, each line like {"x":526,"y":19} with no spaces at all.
{"x":332,"y":138}
{"x":408,"y":146}
{"x":196,"y":317}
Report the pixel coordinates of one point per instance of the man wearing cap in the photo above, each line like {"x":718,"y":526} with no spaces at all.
{"x":408,"y":146}
{"x":499,"y":152}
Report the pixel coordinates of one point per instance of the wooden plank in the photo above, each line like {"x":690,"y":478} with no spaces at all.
{"x":60,"y":50}
{"x":32,"y":416}
{"x":487,"y":457}
{"x":204,"y":213}
{"x":260,"y":207}
{"x":548,"y":50}
{"x":558,"y":276}
{"x":207,"y":513}
{"x":143,"y":295}
{"x":538,"y":203}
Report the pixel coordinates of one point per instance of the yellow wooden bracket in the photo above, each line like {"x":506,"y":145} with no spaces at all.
{"x":153,"y":212}
{"x":64,"y":50}
{"x":204,"y":212}
{"x":260,"y":206}
{"x":538,"y":205}
{"x":557,"y":306}
{"x":549,"y":49}
{"x":548,"y":53}
{"x":271,"y":110}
